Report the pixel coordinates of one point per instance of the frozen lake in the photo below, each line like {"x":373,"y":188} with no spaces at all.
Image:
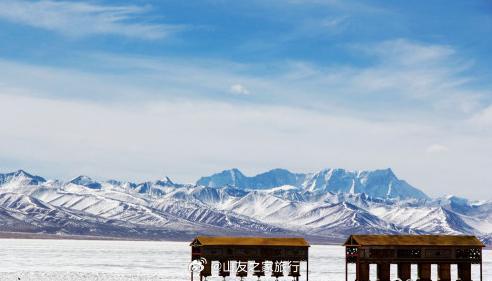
{"x":51,"y":260}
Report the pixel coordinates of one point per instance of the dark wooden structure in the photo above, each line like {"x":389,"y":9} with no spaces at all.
{"x":405,"y":250}
{"x":243,"y":249}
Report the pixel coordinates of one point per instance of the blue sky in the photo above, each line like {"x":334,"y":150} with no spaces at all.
{"x":143,"y":89}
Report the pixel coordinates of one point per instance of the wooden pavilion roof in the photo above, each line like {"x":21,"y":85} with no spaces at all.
{"x":414,"y":240}
{"x":249,"y":241}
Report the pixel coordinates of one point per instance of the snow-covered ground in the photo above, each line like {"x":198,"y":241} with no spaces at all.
{"x":53,"y":260}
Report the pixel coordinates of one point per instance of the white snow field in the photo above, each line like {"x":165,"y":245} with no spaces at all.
{"x":53,"y":260}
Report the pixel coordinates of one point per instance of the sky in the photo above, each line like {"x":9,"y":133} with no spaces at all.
{"x":139,"y":90}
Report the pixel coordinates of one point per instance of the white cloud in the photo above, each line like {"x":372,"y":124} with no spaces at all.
{"x":407,"y":72}
{"x":481,"y":121}
{"x":483,"y":118}
{"x":239,"y":89}
{"x":77,"y":19}
{"x":352,"y":6}
{"x":318,"y":27}
{"x":333,"y":23}
{"x":436,"y":148}
{"x":411,"y":69}
{"x":187,"y":139}
{"x":408,"y":53}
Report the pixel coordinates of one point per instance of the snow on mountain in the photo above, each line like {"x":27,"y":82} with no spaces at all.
{"x":476,"y":214}
{"x":377,"y":183}
{"x":329,"y":204}
{"x":345,"y":218}
{"x":425,"y":218}
{"x":234,"y":177}
{"x":86,"y":181}
{"x":156,"y":188}
{"x":20,"y":178}
{"x":258,"y":205}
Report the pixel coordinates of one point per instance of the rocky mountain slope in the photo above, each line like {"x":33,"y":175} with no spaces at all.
{"x":324,"y":206}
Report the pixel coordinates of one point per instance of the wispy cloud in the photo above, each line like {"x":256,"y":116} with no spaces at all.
{"x":76,"y":19}
{"x":319,"y":27}
{"x":403,"y":79}
{"x":332,"y":23}
{"x":239,"y":89}
{"x":402,"y":70}
{"x":347,"y":5}
{"x":409,"y":53}
{"x":437,"y":148}
{"x":482,"y":120}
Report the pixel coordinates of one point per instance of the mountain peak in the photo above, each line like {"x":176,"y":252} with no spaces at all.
{"x":234,"y":177}
{"x":21,"y":172}
{"x":235,"y":172}
{"x":165,"y":182}
{"x":383,"y":172}
{"x":279,"y":171}
{"x":86,"y":181}
{"x":381,"y":183}
{"x":231,"y":177}
{"x":22,"y":177}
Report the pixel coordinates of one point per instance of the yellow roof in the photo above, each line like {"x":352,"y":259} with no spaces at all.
{"x":414,"y":240}
{"x":250,"y":241}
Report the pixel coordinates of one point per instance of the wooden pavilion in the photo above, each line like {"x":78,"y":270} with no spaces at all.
{"x":405,"y":250}
{"x":253,"y":252}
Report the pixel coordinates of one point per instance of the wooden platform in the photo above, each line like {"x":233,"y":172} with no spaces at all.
{"x":405,"y":250}
{"x":287,"y":252}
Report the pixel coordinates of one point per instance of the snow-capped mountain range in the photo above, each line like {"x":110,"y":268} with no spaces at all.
{"x":324,"y":206}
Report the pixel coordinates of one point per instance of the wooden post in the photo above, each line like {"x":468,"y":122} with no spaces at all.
{"x":481,"y":270}
{"x":383,"y":271}
{"x":222,"y":270}
{"x":207,"y":270}
{"x":362,"y":272}
{"x":307,"y":270}
{"x":424,"y":272}
{"x":242,"y":273}
{"x":346,"y":270}
{"x":444,"y":272}
{"x":357,"y":271}
{"x":260,"y":271}
{"x":464,"y":271}
{"x":404,"y":270}
{"x":276,"y":273}
{"x":295,"y":269}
